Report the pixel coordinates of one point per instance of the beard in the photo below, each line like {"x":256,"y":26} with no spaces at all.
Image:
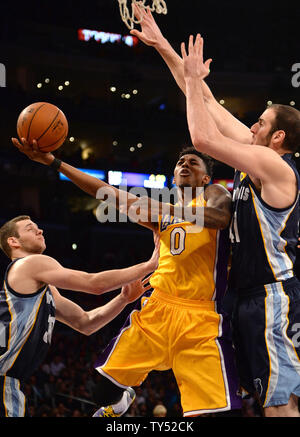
{"x":264,"y":142}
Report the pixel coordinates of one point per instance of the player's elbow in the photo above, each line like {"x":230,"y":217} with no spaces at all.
{"x":87,"y":331}
{"x":199,"y":141}
{"x":87,"y":326}
{"x":84,"y":331}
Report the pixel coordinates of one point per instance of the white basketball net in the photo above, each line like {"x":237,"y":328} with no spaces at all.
{"x":158,"y":6}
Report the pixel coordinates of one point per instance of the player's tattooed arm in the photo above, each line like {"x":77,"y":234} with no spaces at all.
{"x":218,"y":210}
{"x":216,"y":214}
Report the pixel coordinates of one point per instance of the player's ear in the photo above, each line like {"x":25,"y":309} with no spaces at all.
{"x":13,"y":242}
{"x":206,"y":179}
{"x":278,"y":137}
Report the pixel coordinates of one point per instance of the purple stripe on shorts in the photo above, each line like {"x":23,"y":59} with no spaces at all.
{"x":225,"y":343}
{"x":222,"y":264}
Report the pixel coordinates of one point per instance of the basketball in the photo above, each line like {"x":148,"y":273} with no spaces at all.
{"x":45,"y":123}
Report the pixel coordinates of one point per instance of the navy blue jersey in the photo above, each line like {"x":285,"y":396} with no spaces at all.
{"x":264,"y":239}
{"x":26,"y":324}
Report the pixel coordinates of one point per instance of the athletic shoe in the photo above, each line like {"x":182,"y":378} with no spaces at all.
{"x":109,"y":412}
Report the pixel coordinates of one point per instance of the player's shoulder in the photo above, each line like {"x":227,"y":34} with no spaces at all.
{"x":34,"y":260}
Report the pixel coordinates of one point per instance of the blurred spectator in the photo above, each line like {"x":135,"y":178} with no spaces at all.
{"x":159,"y":411}
{"x":133,"y":410}
{"x":56,"y":365}
{"x":140,"y":398}
{"x":77,"y":413}
{"x":143,"y":410}
{"x":37,"y":393}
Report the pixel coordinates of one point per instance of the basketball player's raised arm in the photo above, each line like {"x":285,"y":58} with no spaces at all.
{"x":151,"y":35}
{"x":88,"y":322}
{"x":46,"y":270}
{"x":91,"y":185}
{"x":258,"y":161}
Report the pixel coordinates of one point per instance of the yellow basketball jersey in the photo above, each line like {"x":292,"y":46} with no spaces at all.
{"x":192,"y":265}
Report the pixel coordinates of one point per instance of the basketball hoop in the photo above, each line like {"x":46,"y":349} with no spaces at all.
{"x":158,"y":6}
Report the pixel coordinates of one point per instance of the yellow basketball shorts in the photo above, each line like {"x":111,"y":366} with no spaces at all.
{"x":182,"y":335}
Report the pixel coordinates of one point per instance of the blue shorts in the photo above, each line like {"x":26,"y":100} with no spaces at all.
{"x":12,"y":400}
{"x":266,"y":330}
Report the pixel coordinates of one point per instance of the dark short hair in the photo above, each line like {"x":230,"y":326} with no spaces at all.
{"x":9,"y":229}
{"x":208,"y":161}
{"x":288,"y":120}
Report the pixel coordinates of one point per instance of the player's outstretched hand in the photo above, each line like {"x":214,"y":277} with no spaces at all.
{"x":135,"y":289}
{"x":194,"y":67}
{"x":32,"y":151}
{"x":150,"y":33}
